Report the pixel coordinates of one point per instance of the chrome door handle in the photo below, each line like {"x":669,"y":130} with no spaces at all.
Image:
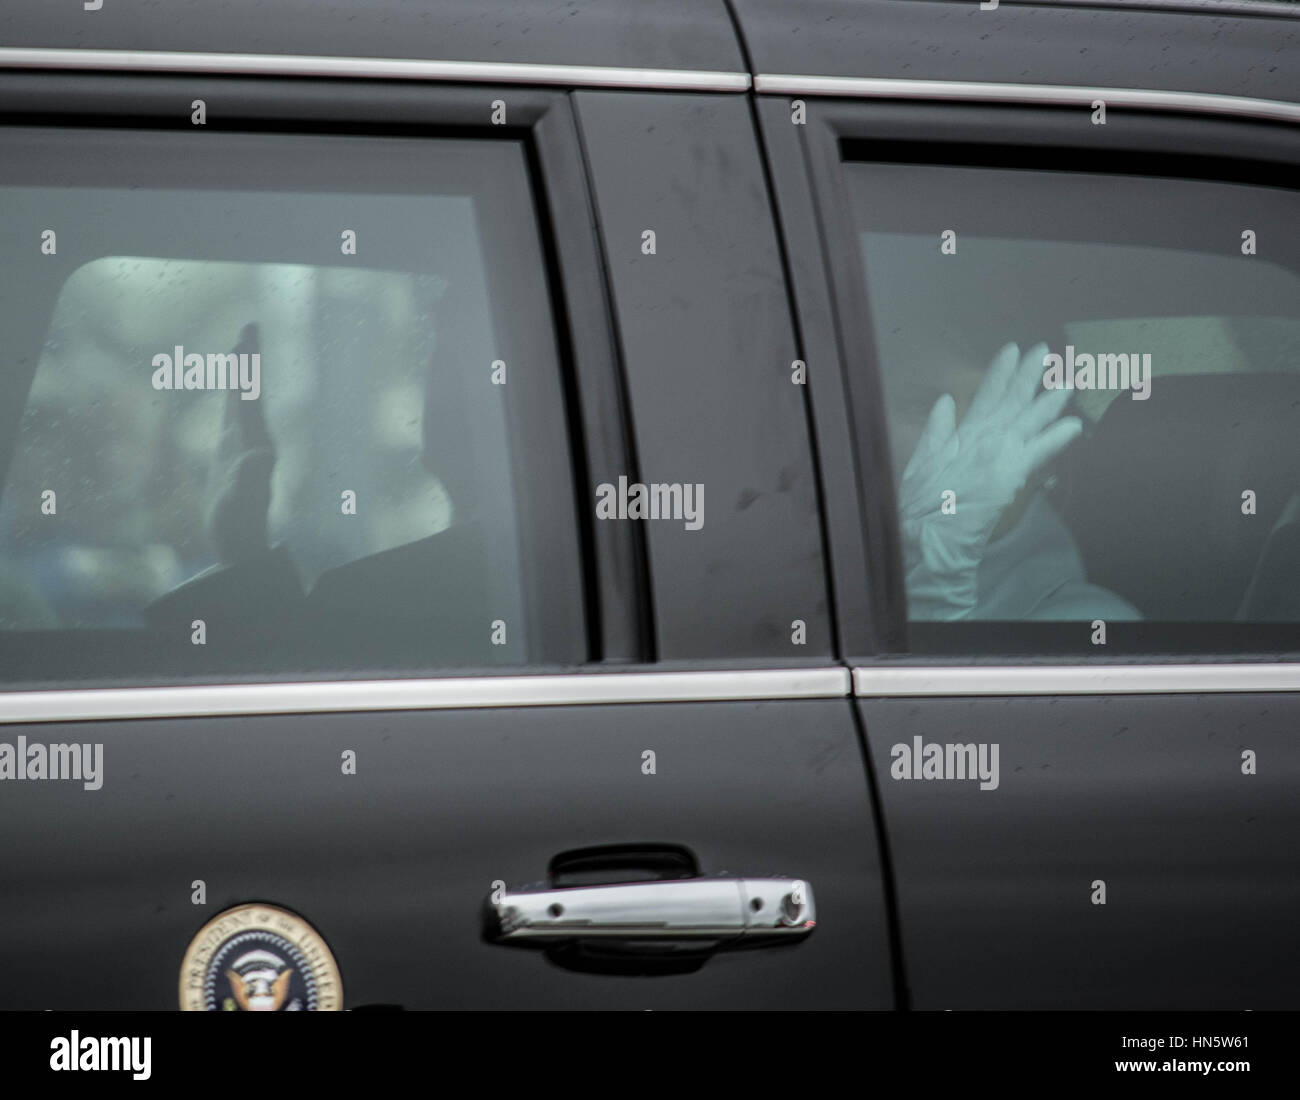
{"x":727,"y":911}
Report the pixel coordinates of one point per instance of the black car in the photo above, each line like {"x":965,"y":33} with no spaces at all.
{"x":675,"y":504}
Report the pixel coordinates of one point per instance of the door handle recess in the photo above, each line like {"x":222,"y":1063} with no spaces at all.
{"x":722,"y":912}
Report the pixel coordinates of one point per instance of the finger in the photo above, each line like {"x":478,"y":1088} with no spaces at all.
{"x":250,"y":423}
{"x":242,"y":428}
{"x":1048,"y":444}
{"x":939,"y":427}
{"x":1029,"y":376}
{"x":1046,"y":407}
{"x":993,"y":388}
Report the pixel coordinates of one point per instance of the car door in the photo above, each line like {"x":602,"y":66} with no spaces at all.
{"x":1080,"y":719}
{"x":321,"y":425}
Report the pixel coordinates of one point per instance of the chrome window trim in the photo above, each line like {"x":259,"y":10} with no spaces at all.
{"x":372,"y":68}
{"x":1186,"y":679}
{"x":1267,"y":9}
{"x":595,"y":76}
{"x":595,"y":688}
{"x":339,"y":696}
{"x":1065,"y":95}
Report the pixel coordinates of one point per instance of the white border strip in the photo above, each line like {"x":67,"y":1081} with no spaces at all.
{"x":1075,"y":680}
{"x":340,"y":696}
{"x":1051,"y":94}
{"x":376,"y":68}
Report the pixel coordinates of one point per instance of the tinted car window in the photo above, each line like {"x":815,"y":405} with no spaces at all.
{"x":279,"y":404}
{"x":1092,"y":390}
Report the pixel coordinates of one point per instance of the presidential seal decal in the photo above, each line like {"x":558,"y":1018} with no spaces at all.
{"x":259,"y":958}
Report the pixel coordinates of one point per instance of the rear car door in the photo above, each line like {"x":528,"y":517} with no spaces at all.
{"x":1079,"y":695}
{"x":321,"y":422}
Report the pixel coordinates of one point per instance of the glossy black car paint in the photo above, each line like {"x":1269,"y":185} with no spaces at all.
{"x":665,"y":34}
{"x":1232,"y":49}
{"x":996,"y":888}
{"x":392,"y":864}
{"x":708,"y":348}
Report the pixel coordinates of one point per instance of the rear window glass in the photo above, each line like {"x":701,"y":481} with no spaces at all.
{"x":1092,"y":391}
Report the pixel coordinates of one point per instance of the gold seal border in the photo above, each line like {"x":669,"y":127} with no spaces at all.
{"x":260,"y":917}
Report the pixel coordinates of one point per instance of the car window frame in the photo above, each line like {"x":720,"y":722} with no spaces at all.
{"x":614,"y":617}
{"x":821,"y":235}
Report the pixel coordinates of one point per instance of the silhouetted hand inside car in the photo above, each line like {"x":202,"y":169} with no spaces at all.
{"x":961,"y":478}
{"x":241,"y":476}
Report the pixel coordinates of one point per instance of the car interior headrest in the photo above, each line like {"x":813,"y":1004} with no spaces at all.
{"x":1153,"y":493}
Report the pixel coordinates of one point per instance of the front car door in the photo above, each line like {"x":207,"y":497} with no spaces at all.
{"x":313,"y":395}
